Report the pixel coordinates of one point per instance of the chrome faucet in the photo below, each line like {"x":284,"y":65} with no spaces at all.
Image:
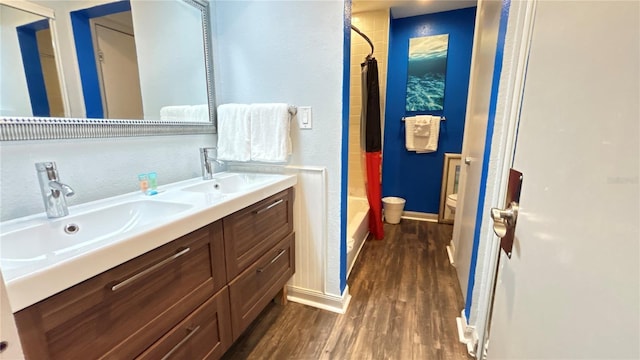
{"x":53,"y":191}
{"x":210,"y":165}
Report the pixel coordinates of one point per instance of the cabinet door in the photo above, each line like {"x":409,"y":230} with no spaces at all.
{"x":250,"y":232}
{"x":257,"y":285}
{"x":205,"y":334}
{"x":121,"y":312}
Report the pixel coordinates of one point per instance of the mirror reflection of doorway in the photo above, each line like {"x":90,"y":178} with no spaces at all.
{"x":107,"y":61}
{"x":117,"y":65}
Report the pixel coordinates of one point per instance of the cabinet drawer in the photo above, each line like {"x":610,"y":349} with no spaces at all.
{"x":121,"y":312}
{"x":205,"y":334}
{"x":250,"y":232}
{"x":255,"y":287}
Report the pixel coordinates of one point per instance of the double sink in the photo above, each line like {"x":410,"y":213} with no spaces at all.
{"x":40,"y":257}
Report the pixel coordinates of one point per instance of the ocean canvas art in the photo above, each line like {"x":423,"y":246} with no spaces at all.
{"x":426,"y":73}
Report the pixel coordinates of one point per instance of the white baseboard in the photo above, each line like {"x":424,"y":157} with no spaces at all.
{"x":451,"y":252}
{"x":420,"y":216}
{"x":467,"y":334}
{"x":337,"y":304}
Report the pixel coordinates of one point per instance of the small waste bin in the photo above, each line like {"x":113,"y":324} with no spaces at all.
{"x":393,"y":207}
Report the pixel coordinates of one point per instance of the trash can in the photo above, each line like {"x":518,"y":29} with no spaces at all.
{"x":393,"y":207}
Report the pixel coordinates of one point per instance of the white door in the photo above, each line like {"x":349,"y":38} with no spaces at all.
{"x":571,"y":289}
{"x":118,"y":66}
{"x":475,"y":129}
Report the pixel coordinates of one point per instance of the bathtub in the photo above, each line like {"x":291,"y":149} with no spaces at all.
{"x":357,"y":228}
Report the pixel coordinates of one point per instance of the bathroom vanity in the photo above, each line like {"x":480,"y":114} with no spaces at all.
{"x":190,"y":297}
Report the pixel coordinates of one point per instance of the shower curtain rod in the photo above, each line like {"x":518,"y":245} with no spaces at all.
{"x":366,"y":38}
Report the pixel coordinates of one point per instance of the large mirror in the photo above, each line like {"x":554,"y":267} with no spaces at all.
{"x":145,"y":65}
{"x":29,"y":65}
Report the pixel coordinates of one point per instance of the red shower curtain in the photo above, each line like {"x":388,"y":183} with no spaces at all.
{"x":371,"y":143}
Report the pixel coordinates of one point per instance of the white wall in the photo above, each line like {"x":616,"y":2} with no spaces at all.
{"x":94,"y":168}
{"x":14,"y":96}
{"x":176,"y":62}
{"x":290,"y":51}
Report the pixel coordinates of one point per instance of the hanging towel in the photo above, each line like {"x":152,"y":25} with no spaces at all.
{"x":270,"y":140}
{"x":414,"y":126}
{"x":421,"y":132}
{"x":434,"y":135}
{"x":234,"y":132}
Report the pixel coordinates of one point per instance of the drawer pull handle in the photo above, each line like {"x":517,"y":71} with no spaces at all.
{"x":190,"y":333}
{"x":148,"y":270}
{"x":256,"y":212}
{"x":282,"y":251}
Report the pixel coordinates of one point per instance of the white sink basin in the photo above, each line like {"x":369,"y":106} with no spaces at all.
{"x":39,"y":258}
{"x":54,"y":238}
{"x":229,"y":183}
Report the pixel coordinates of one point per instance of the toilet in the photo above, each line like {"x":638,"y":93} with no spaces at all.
{"x":451,"y":202}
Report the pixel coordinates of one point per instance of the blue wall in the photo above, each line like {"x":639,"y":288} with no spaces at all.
{"x":85,"y":53}
{"x":418,"y":177}
{"x":36,"y":86}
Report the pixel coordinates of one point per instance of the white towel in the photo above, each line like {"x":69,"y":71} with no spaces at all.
{"x":270,"y":140}
{"x":175,"y":113}
{"x":234,"y":132}
{"x":200,"y":113}
{"x":421,"y":133}
{"x":434,"y":135}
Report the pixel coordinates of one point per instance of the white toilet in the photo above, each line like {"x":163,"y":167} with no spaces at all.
{"x":451,"y":202}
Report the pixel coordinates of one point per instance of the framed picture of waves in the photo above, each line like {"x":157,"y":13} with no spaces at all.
{"x":426,"y":73}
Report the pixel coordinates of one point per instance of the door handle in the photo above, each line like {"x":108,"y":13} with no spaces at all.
{"x":504,"y":220}
{"x":467,"y":160}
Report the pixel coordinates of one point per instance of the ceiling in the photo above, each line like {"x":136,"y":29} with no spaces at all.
{"x":403,"y":8}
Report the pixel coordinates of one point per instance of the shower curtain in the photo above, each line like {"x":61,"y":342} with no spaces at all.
{"x":371,"y":143}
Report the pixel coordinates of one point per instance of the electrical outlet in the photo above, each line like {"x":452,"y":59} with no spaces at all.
{"x":304,"y":117}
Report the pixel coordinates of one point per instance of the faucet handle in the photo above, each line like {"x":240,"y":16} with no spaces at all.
{"x":49,"y":167}
{"x":45,"y":165}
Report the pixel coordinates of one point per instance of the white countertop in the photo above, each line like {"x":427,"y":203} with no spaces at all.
{"x":31,"y":283}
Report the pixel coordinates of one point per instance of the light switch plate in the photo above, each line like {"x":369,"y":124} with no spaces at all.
{"x":304,"y":117}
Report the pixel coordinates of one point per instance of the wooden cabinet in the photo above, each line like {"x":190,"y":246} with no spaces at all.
{"x":203,"y":335}
{"x":252,"y":290}
{"x":122,"y":311}
{"x":173,"y":300}
{"x":252,"y":231}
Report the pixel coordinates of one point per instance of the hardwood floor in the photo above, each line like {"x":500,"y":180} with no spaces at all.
{"x":405,"y":298}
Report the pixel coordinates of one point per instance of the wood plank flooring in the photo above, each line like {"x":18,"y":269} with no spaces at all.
{"x":405,"y":298}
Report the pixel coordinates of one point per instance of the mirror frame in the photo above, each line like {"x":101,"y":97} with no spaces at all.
{"x":50,"y":128}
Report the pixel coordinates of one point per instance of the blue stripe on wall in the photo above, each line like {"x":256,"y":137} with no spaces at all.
{"x":502,"y":33}
{"x":85,"y":53}
{"x":33,"y":67}
{"x":344,"y":188}
{"x":418,"y":177}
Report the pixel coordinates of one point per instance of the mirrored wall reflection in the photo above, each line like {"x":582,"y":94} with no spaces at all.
{"x":107,"y":60}
{"x":30,"y":81}
{"x":133,"y":59}
{"x":142,"y":60}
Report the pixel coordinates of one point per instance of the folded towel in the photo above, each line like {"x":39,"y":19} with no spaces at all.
{"x":422,"y":126}
{"x":421,"y":133}
{"x":200,"y":113}
{"x":175,"y":113}
{"x":434,"y":135}
{"x":270,"y":140}
{"x":234,"y":132}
